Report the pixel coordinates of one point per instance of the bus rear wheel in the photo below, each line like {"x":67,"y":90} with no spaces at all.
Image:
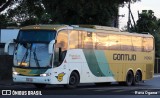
{"x":137,"y":78}
{"x":129,"y":78}
{"x":73,"y":80}
{"x":40,"y":86}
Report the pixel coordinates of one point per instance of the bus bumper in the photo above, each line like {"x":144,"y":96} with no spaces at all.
{"x":32,"y":79}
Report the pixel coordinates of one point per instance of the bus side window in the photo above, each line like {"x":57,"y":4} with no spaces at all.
{"x":102,"y":41}
{"x":126,"y":43}
{"x":80,"y":40}
{"x":137,"y":43}
{"x":89,"y":40}
{"x":62,"y":40}
{"x":114,"y":42}
{"x":61,"y":47}
{"x":73,"y":41}
{"x":147,"y":44}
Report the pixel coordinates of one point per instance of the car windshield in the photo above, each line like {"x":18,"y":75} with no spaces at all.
{"x":38,"y":36}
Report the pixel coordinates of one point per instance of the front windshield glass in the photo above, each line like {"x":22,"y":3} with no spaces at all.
{"x":36,"y":35}
{"x":32,"y":48}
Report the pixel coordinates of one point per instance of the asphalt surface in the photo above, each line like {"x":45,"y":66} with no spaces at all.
{"x":149,"y":87}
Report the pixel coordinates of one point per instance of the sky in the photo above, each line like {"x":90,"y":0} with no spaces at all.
{"x":139,"y":6}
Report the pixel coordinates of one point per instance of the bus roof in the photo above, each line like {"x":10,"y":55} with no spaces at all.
{"x":89,"y":28}
{"x":43,"y":27}
{"x":109,"y":30}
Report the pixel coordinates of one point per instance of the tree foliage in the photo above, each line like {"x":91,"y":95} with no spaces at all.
{"x":99,"y":12}
{"x":4,"y":4}
{"x":147,"y":22}
{"x":3,"y":21}
{"x":28,"y":12}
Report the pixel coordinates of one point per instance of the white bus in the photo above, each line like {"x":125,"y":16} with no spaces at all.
{"x":69,"y":55}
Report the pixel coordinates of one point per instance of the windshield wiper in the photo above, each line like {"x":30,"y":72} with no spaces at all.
{"x":30,"y":55}
{"x":35,"y":57}
{"x":24,"y":57}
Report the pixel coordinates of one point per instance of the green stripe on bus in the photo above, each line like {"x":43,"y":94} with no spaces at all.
{"x":92,"y":62}
{"x":37,"y":71}
{"x":102,"y":62}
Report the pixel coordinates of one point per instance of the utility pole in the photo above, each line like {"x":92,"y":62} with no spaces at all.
{"x":133,"y":20}
{"x":130,"y":15}
{"x":129,"y":18}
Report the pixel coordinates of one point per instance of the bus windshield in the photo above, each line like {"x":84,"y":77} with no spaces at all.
{"x":37,"y":36}
{"x":32,"y":48}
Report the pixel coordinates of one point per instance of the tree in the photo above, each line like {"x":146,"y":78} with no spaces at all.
{"x":147,"y":22}
{"x":99,"y":12}
{"x":3,"y":22}
{"x":4,"y":4}
{"x":29,"y":12}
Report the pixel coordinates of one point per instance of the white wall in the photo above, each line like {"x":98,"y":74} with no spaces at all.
{"x":8,"y":34}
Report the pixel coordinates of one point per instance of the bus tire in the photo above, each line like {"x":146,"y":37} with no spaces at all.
{"x":40,"y":86}
{"x":73,"y":80}
{"x":129,"y":78}
{"x":137,"y":78}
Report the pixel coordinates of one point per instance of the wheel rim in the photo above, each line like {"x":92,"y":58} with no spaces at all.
{"x":138,"y":77}
{"x":72,"y":80}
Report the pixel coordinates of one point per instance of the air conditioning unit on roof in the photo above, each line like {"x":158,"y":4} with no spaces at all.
{"x":100,"y":27}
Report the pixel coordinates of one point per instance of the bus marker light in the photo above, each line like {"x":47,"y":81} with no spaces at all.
{"x":43,"y":75}
{"x":15,"y":73}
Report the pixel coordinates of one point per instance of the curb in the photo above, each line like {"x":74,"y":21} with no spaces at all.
{"x":157,"y":75}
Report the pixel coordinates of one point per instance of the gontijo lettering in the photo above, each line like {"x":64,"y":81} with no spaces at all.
{"x":124,"y":57}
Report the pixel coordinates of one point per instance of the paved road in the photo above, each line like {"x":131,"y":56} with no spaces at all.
{"x":150,"y":87}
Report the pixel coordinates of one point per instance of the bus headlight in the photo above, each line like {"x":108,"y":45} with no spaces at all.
{"x":15,"y":73}
{"x":45,"y":74}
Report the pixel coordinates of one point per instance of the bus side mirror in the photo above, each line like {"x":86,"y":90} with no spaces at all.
{"x":50,"y":47}
{"x":9,"y":47}
{"x":15,"y":40}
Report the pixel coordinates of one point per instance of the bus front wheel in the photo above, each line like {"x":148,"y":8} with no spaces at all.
{"x":73,"y":80}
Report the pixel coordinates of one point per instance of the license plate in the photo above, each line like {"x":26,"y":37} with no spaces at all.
{"x":29,"y":79}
